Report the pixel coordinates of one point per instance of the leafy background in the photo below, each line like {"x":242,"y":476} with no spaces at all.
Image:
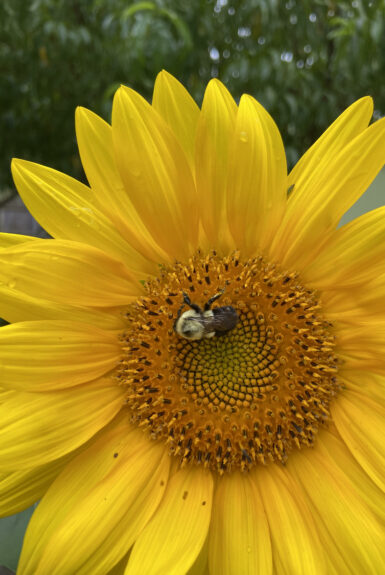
{"x":305,"y":61}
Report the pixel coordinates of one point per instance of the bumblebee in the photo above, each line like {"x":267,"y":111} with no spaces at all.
{"x":198,"y":323}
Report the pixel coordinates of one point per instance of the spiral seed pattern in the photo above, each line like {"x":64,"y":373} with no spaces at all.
{"x":244,"y":398}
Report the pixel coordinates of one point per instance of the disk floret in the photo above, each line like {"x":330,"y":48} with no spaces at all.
{"x":247,"y":396}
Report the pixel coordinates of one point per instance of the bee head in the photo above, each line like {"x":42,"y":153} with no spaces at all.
{"x":189,"y":325}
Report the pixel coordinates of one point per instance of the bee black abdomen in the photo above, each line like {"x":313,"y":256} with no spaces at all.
{"x":225,"y":318}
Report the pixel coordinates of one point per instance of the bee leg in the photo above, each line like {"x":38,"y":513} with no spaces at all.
{"x":209,"y":303}
{"x":179,"y":312}
{"x":193,"y":306}
{"x":186,"y":298}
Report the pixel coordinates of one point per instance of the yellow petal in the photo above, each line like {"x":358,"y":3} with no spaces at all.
{"x":337,"y":451}
{"x":312,"y":164}
{"x":369,"y":384}
{"x":111,"y":515}
{"x":360,"y":421}
{"x":96,"y":150}
{"x":179,"y":110}
{"x":66,"y":209}
{"x":354,"y":254}
{"x":201,"y":564}
{"x":371,"y":297}
{"x":239,"y":540}
{"x":214,"y":136}
{"x":257,"y":181}
{"x":361,"y":346}
{"x":40,"y":427}
{"x":67,"y":272}
{"x":120,"y":477}
{"x":356,"y":306}
{"x":5,"y":395}
{"x":120,"y":567}
{"x":16,"y":306}
{"x":315,"y":211}
{"x":56,"y":354}
{"x":20,"y":489}
{"x":155,"y":172}
{"x":295,"y":544}
{"x":349,"y":532}
{"x":9,"y":240}
{"x":172,"y":540}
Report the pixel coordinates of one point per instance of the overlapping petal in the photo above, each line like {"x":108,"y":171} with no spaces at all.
{"x":316,"y":210}
{"x":155,"y":171}
{"x":119,"y":481}
{"x":20,"y":489}
{"x":68,"y":272}
{"x":371,"y":385}
{"x":361,"y":346}
{"x":239,"y":533}
{"x":201,"y":564}
{"x":353,"y":255}
{"x":341,"y":132}
{"x":174,"y":537}
{"x":180,"y":112}
{"x":360,"y":421}
{"x":214,"y":135}
{"x":94,"y":137}
{"x":295,"y":544}
{"x":348,"y":528}
{"x":56,"y":354}
{"x":9,"y":240}
{"x":66,"y":209}
{"x":257,"y":180}
{"x":370,"y":297}
{"x":120,"y":567}
{"x":359,"y":481}
{"x":359,"y":305}
{"x":17,"y":305}
{"x":39,"y":427}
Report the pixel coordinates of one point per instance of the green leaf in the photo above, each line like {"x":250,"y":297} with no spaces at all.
{"x":169,"y":14}
{"x":140,"y":6}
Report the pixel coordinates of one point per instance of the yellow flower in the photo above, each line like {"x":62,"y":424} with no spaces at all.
{"x":168,"y":434}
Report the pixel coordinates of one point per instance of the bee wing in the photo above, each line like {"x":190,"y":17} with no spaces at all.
{"x":208,"y":323}
{"x":214,"y":323}
{"x":224,"y":319}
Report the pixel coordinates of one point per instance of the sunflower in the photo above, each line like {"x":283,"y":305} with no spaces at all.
{"x":193,"y":371}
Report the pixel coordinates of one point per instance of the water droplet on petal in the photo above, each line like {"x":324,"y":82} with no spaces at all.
{"x":243,"y":136}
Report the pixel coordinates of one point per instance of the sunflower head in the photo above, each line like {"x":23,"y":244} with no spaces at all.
{"x":238,"y":397}
{"x":195,"y":325}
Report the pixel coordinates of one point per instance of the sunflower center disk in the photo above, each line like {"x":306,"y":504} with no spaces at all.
{"x":235,"y":400}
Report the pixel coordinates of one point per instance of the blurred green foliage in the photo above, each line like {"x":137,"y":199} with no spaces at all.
{"x":305,"y":61}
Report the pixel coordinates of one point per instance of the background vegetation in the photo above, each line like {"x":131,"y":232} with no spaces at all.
{"x":305,"y":61}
